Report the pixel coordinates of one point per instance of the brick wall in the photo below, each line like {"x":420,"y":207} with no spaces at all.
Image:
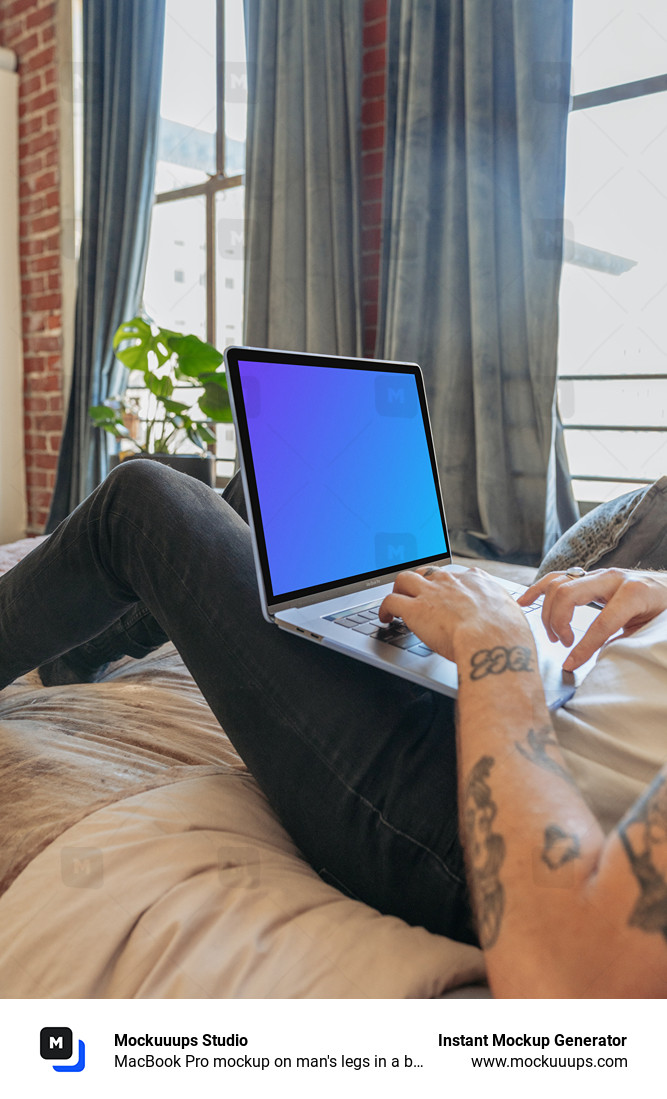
{"x":372,"y":146}
{"x":29,"y":28}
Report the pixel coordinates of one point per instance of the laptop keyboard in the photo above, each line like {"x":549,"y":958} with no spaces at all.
{"x":364,"y":619}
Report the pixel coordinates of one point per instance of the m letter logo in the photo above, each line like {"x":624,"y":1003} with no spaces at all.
{"x":396,"y":396}
{"x":56,"y":1044}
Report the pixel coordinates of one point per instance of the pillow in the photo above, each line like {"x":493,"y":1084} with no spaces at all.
{"x":194,"y":890}
{"x":629,"y":532}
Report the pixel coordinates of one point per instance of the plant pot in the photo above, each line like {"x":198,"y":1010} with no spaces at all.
{"x":199,"y":466}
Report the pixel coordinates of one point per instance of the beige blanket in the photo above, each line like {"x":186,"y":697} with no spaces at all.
{"x":139,"y":859}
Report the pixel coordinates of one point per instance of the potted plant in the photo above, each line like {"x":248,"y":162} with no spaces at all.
{"x":166,"y":359}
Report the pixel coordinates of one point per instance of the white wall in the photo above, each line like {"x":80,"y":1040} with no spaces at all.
{"x":12,"y":462}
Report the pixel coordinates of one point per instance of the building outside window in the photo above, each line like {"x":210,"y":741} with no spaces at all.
{"x":613,"y":302}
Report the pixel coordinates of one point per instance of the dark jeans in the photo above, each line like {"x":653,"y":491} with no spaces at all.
{"x":359,"y":765}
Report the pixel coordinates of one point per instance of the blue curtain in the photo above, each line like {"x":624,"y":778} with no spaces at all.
{"x":303,"y":200}
{"x":477,"y":104}
{"x":122,"y":71}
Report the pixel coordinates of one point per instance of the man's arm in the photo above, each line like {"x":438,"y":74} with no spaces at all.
{"x":562,"y":910}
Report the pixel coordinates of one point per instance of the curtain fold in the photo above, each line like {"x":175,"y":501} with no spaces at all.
{"x":302,"y":250}
{"x":122,"y":71}
{"x":477,"y":105}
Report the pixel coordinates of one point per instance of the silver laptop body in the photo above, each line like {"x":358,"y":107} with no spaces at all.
{"x":343,"y":494}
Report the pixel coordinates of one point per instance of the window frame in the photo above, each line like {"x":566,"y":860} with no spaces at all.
{"x":585,"y":101}
{"x":215,"y":183}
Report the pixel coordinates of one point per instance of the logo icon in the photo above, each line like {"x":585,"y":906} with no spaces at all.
{"x":56,"y":1044}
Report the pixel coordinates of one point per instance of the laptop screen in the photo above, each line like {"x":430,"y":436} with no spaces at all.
{"x":340,"y":470}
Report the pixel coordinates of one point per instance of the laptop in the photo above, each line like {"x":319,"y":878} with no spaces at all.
{"x":343,"y":494}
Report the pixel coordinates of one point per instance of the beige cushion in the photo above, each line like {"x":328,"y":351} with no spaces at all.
{"x":194,"y":890}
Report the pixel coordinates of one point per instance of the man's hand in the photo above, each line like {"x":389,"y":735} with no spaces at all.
{"x":449,"y":610}
{"x":630,"y":600}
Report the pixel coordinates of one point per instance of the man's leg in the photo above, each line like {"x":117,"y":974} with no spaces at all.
{"x":359,"y":764}
{"x":135,"y":633}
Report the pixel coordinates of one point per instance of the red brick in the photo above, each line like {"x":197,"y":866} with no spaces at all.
{"x":37,"y":404}
{"x":46,"y":263}
{"x":35,"y":442}
{"x":46,"y":461}
{"x":49,"y":221}
{"x":35,"y":145}
{"x":48,"y":33}
{"x":37,"y":18}
{"x":371,"y":275}
{"x":370,"y":189}
{"x":49,"y":302}
{"x":35,"y":478}
{"x":371,"y":239}
{"x":17,"y":7}
{"x":44,"y":343}
{"x":33,"y":364}
{"x":371,"y":214}
{"x":29,"y":126}
{"x":372,"y":163}
{"x":31,"y":286}
{"x":33,"y":205}
{"x":30,"y":167}
{"x":24,"y":47}
{"x":30,"y":85}
{"x":46,"y":422}
{"x":370,"y":313}
{"x":42,"y":58}
{"x":374,"y":61}
{"x":37,"y":102}
{"x":371,"y":112}
{"x":373,"y":86}
{"x":374,"y":9}
{"x":43,"y":383}
{"x":375,"y":34}
{"x":47,"y":179}
{"x":372,"y":137}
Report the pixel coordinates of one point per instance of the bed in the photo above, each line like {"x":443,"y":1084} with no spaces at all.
{"x":140,"y":859}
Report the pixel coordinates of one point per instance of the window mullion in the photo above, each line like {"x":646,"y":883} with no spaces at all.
{"x":220,"y":88}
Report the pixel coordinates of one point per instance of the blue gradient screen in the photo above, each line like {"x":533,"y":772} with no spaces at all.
{"x":342,"y":470}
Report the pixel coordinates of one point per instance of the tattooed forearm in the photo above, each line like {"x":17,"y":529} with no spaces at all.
{"x":501,"y":659}
{"x":485,"y":852}
{"x":536,"y":748}
{"x":643,"y":834}
{"x":559,"y":847}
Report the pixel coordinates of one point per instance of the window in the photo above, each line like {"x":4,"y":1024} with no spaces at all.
{"x":613,"y":332}
{"x":194,"y":274}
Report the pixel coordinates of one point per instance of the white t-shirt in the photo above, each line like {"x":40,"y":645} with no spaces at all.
{"x":613,"y":733}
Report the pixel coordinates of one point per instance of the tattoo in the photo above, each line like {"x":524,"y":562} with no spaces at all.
{"x":496,"y":661}
{"x":485,"y":851}
{"x":643,"y":834}
{"x":559,"y":847}
{"x":537,"y":744}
